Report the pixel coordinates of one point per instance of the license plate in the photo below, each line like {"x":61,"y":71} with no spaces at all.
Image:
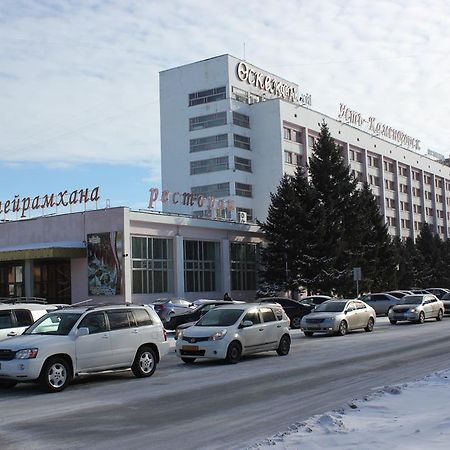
{"x":190,"y":348}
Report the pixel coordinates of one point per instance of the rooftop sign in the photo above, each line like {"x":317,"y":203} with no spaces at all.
{"x":272,"y":85}
{"x":188,"y":199}
{"x":22,"y":206}
{"x":352,"y":117}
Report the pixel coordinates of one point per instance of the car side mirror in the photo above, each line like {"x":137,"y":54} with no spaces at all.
{"x":246,"y":324}
{"x":83,"y":331}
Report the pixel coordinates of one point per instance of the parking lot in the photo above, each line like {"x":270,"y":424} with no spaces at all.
{"x":214,"y":405}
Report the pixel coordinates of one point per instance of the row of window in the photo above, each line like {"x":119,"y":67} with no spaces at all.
{"x":216,"y":120}
{"x":207,"y":96}
{"x":405,"y":206}
{"x":223,"y":214}
{"x":218,"y":141}
{"x":245,"y":96}
{"x":223,"y":190}
{"x":291,"y":134}
{"x":218,"y":164}
{"x":293,"y":158}
{"x":201,"y":265}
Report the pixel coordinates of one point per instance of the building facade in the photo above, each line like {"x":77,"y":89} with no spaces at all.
{"x":118,"y":255}
{"x":231,"y":130}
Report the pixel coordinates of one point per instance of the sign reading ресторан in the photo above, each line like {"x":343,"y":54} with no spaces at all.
{"x":268,"y":83}
{"x":64,"y":198}
{"x":352,"y":117}
{"x":188,"y":199}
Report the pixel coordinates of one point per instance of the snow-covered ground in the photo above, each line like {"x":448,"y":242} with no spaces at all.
{"x":409,"y":416}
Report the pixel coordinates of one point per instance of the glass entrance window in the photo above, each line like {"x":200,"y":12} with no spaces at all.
{"x":201,"y":261}
{"x":52,"y":280}
{"x":152,"y":265}
{"x":11,"y":279}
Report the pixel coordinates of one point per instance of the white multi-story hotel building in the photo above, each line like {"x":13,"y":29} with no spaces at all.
{"x":231,"y":130}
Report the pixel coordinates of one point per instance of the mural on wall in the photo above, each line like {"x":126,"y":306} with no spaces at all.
{"x":105,"y":255}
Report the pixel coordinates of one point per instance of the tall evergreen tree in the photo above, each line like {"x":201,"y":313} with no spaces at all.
{"x":428,"y":248}
{"x":371,"y":247}
{"x":319,"y":227}
{"x":408,"y":264}
{"x":279,"y":231}
{"x":336,"y":195}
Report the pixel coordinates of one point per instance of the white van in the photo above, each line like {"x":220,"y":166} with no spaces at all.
{"x":16,"y":318}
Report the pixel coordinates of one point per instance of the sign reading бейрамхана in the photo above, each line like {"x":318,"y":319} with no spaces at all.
{"x":268,"y":83}
{"x":352,"y":117}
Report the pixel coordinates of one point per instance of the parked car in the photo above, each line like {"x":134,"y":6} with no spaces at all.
{"x":399,"y":293}
{"x":380,"y":302}
{"x":315,"y":300}
{"x":446,"y":301}
{"x":194,"y":314}
{"x":419,"y":291}
{"x":70,"y":342}
{"x":15,"y":318}
{"x":294,"y":309}
{"x":339,"y":316}
{"x":417,"y":308}
{"x":166,"y":308}
{"x":230,"y":331}
{"x":438,"y":292}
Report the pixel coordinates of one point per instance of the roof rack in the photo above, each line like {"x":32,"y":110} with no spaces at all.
{"x":14,"y":300}
{"x":101,"y":305}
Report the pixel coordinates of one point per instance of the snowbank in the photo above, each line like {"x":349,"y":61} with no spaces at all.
{"x":410,"y":416}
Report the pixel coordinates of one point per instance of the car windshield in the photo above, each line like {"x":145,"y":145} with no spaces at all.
{"x":411,"y":300}
{"x":57,"y":323}
{"x":220,"y":317}
{"x":331,"y":306}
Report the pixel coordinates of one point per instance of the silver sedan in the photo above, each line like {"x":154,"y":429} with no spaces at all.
{"x":417,"y":308}
{"x":339,"y":316}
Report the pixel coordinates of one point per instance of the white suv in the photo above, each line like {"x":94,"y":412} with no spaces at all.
{"x":74,"y":341}
{"x":15,"y":318}
{"x":230,"y":331}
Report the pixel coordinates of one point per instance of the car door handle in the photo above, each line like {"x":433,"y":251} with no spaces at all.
{"x":105,"y":336}
{"x":261,"y":329}
{"x":12,"y":333}
{"x":135,"y":331}
{"x":278,"y":326}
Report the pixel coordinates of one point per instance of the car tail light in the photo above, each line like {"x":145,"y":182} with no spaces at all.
{"x":165,"y":334}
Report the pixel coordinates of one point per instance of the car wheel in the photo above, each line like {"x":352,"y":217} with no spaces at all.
{"x":295,"y":322}
{"x":393,"y":322}
{"x":234,"y":352}
{"x":421,"y":317}
{"x":144,"y":364}
{"x":308,"y":333}
{"x":370,"y":325}
{"x":6,"y":384}
{"x":343,"y":327}
{"x":188,"y":360}
{"x":440,"y":315}
{"x":284,"y":345}
{"x":55,"y":375}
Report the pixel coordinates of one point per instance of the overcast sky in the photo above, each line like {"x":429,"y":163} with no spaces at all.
{"x":79,"y":79}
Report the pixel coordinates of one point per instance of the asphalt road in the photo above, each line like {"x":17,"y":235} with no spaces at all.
{"x":212,"y":405}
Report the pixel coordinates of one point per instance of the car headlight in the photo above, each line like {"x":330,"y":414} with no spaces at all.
{"x":329,"y":319}
{"x":218,"y":335}
{"x":413,"y":310}
{"x":27,"y":353}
